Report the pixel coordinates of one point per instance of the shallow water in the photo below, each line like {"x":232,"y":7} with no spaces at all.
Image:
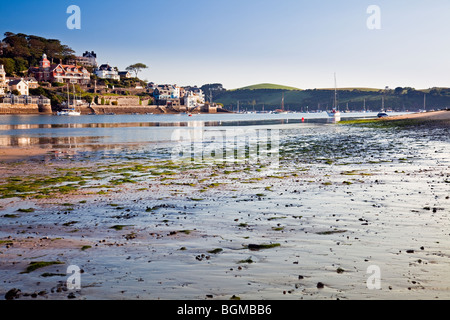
{"x":55,"y":131}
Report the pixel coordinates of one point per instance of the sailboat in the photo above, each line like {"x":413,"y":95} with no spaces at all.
{"x":335,"y":113}
{"x":69,"y":111}
{"x":281,"y":111}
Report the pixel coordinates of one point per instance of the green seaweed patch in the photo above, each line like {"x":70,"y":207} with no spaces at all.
{"x":50,"y":274}
{"x":117,"y":182}
{"x":26,"y":210}
{"x":262,"y":246}
{"x":248,"y":260}
{"x":67,"y":224}
{"x":216,"y":251}
{"x":355,"y":172}
{"x":10,"y":216}
{"x":330,"y":232}
{"x":119,"y":227}
{"x":275,"y":218}
{"x":83,"y":248}
{"x":34,"y":265}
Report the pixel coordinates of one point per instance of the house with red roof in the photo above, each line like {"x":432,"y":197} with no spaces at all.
{"x":48,"y":72}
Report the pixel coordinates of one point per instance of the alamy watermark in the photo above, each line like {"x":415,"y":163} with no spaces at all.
{"x":74,"y":20}
{"x":374,"y":20}
{"x":74,"y":280}
{"x":374,"y":280}
{"x":241,"y":145}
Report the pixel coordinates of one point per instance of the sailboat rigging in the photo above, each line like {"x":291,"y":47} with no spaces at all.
{"x":69,"y":111}
{"x":335,"y":113}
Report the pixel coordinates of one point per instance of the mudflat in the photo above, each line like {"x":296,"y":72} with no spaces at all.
{"x":350,"y":212}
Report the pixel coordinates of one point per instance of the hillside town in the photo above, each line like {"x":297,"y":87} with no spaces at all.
{"x":93,"y":88}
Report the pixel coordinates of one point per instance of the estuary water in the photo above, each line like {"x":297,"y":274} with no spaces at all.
{"x":48,"y":131}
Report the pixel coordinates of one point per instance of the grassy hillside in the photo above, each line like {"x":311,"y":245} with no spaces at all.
{"x":270,"y":86}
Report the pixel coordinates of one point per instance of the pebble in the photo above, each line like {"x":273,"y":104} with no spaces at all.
{"x":71,"y":295}
{"x":13,"y":294}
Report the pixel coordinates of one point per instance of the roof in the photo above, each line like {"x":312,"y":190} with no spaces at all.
{"x":91,"y":54}
{"x":14,"y":82}
{"x":106,"y":67}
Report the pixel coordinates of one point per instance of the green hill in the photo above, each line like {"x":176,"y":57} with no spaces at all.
{"x":353,"y":89}
{"x":269,"y":86}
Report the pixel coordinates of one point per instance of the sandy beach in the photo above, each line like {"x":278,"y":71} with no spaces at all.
{"x":337,"y":208}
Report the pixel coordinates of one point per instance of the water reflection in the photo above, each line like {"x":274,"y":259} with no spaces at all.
{"x":53,"y":132}
{"x":10,"y":127}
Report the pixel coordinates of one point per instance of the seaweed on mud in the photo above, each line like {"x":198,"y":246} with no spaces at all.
{"x":215,"y":251}
{"x":248,"y":260}
{"x":26,"y":210}
{"x":34,"y":265}
{"x":262,"y":246}
{"x":330,"y":232}
{"x":119,"y":227}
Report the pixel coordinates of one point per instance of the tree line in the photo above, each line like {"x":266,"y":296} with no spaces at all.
{"x":19,"y":52}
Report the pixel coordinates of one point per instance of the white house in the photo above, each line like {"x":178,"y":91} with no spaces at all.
{"x":194,"y":98}
{"x":105,"y":71}
{"x":19,"y":85}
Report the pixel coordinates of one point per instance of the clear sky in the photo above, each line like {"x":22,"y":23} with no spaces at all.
{"x":243,"y":42}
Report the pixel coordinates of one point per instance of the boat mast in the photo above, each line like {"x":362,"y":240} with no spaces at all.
{"x":68,"y":98}
{"x":424,"y":102}
{"x":335,"y":93}
{"x":282,"y":102}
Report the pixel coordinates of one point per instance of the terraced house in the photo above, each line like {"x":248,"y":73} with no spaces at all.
{"x":47,"y":72}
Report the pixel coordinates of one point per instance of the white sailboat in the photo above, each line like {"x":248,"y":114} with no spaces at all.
{"x":69,"y":111}
{"x":335,"y":113}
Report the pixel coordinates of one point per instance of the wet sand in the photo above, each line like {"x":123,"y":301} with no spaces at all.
{"x":23,"y":153}
{"x":442,"y":115}
{"x":153,"y":229}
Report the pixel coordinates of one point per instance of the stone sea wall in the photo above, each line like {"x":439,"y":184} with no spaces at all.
{"x":6,"y":108}
{"x":104,"y":109}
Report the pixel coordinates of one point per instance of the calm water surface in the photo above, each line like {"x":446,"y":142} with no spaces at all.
{"x":50,"y":131}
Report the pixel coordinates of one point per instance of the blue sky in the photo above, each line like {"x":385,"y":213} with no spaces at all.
{"x":244,"y":42}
